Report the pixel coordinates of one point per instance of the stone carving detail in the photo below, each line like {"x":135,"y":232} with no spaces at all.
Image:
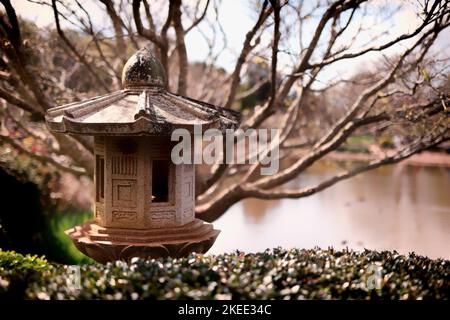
{"x":124,"y":165}
{"x":162,"y":215}
{"x":187,"y":190}
{"x":124,"y":216}
{"x":124,"y":193}
{"x":159,"y":219}
{"x":99,"y":211}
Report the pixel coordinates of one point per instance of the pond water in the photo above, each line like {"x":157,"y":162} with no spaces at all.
{"x":401,"y":207}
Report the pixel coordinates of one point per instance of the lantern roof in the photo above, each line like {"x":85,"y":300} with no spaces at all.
{"x":143,"y":107}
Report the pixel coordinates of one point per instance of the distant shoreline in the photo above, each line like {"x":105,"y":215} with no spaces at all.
{"x":425,"y":158}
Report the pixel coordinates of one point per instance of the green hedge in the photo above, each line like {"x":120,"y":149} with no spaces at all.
{"x":272,"y":274}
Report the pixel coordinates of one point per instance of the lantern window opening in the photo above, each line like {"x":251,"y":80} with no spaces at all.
{"x":162,"y":180}
{"x":100,"y":177}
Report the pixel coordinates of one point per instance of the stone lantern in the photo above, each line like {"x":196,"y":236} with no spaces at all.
{"x":144,"y":203}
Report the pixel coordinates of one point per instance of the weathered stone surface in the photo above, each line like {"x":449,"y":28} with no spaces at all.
{"x":144,"y":204}
{"x":109,"y":244}
{"x":124,"y":173}
{"x":143,"y":69}
{"x":143,"y":107}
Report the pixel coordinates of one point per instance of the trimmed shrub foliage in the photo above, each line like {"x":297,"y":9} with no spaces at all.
{"x":272,"y":274}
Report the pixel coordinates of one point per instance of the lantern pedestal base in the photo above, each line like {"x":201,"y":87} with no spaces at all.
{"x":109,"y":244}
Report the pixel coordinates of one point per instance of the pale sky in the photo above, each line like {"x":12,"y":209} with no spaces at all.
{"x":234,"y":16}
{"x":237,"y":17}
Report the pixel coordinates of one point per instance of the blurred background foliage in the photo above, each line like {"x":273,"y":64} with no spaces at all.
{"x":32,"y":219}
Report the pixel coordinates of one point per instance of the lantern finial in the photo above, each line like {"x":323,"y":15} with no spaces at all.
{"x":143,"y":69}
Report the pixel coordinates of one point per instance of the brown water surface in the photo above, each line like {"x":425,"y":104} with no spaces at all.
{"x":403,"y":208}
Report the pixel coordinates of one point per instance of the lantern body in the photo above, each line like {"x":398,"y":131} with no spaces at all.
{"x":138,"y":186}
{"x":144,"y":203}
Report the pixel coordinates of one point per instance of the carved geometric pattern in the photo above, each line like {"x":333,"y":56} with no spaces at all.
{"x":98,"y":211}
{"x":162,"y":215}
{"x":124,"y":165}
{"x":159,"y":219}
{"x":124,"y":193}
{"x":187,"y":190}
{"x":124,"y":216}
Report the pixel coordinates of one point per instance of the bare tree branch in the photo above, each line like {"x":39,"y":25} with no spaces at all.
{"x":335,"y":9}
{"x":181,"y":47}
{"x":159,"y":40}
{"x":198,"y":20}
{"x":246,"y":48}
{"x":397,"y":157}
{"x":430,"y":17}
{"x":75,"y":52}
{"x":11,"y":33}
{"x":43,"y":159}
{"x":37,"y":114}
{"x":117,"y":25}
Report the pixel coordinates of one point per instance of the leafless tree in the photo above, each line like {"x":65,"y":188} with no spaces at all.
{"x":409,"y":91}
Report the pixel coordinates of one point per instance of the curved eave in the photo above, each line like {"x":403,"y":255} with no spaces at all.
{"x":141,"y":111}
{"x":141,"y":126}
{"x":230,"y":118}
